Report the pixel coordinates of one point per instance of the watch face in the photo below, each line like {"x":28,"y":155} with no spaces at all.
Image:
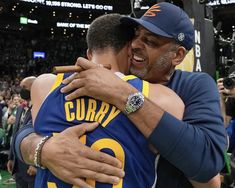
{"x":136,"y":100}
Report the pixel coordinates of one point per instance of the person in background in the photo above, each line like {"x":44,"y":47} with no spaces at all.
{"x":24,"y":174}
{"x":227,"y":110}
{"x":2,"y":132}
{"x":0,"y":116}
{"x":1,"y":129}
{"x":3,"y":103}
{"x":227,"y":100}
{"x":226,"y":88}
{"x":9,"y":119}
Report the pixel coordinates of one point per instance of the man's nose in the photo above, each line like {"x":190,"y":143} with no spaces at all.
{"x":136,"y":43}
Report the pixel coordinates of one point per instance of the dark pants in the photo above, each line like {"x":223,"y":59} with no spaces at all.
{"x":21,"y":183}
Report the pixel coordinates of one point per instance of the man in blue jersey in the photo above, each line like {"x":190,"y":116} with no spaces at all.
{"x":201,"y":129}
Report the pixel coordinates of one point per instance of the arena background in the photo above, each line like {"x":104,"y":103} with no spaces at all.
{"x":36,"y":35}
{"x":58,"y":29}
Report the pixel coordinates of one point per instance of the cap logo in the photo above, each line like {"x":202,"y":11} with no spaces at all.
{"x":181,"y":36}
{"x":152,"y":11}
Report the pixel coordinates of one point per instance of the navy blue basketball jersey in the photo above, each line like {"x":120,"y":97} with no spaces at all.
{"x":115,"y":135}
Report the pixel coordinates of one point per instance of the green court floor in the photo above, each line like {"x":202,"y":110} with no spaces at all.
{"x":5,"y":175}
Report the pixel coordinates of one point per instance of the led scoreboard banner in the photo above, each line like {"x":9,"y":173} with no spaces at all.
{"x":71,"y":4}
{"x":221,"y":2}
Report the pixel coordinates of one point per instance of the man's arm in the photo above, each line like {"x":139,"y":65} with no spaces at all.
{"x":215,"y":182}
{"x":170,"y":102}
{"x":196,"y":148}
{"x":87,"y":163}
{"x":39,"y":91}
{"x":82,"y":162}
{"x":222,"y":93}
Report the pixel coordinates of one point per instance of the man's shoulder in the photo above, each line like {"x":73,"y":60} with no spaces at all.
{"x":184,"y":77}
{"x":43,"y":81}
{"x":46,"y":76}
{"x":40,"y":89}
{"x":190,"y":75}
{"x":183,"y":82}
{"x":19,"y":108}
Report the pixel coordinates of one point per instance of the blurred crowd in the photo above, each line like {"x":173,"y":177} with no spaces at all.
{"x":9,"y":101}
{"x":15,"y":113}
{"x":17,"y":62}
{"x":16,"y":53}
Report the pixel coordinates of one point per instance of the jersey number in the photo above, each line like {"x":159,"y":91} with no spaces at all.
{"x":99,"y":145}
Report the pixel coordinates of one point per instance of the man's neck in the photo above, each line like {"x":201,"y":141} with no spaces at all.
{"x":106,"y":58}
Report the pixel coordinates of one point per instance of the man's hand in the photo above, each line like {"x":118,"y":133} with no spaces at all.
{"x":11,"y":120}
{"x":223,"y":91}
{"x":71,"y":161}
{"x":214,"y":182}
{"x":31,"y":171}
{"x":10,"y":166}
{"x":97,"y":82}
{"x":221,"y":88}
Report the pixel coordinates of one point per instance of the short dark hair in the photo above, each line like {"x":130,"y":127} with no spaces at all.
{"x":107,"y":31}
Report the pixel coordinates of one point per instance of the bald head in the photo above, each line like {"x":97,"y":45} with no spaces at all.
{"x":27,"y":82}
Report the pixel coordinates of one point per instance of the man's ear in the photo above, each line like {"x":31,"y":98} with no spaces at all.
{"x":89,"y":54}
{"x":180,"y":54}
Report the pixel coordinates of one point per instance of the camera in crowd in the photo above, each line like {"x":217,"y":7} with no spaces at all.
{"x":227,"y":58}
{"x":229,"y":81}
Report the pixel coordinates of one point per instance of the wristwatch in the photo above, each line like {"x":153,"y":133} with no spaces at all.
{"x":134,"y":102}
